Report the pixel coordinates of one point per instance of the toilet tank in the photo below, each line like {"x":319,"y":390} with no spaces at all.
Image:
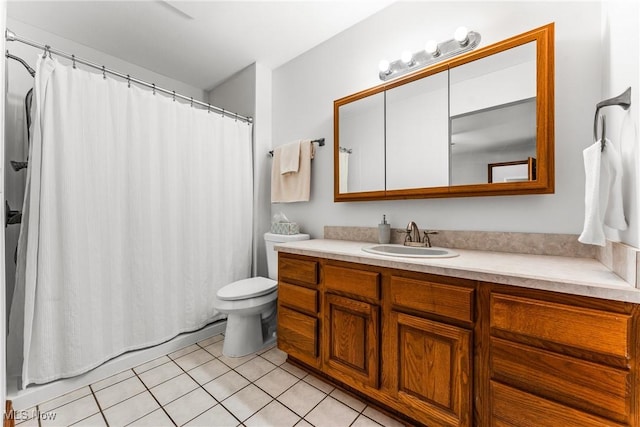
{"x":271,"y":240}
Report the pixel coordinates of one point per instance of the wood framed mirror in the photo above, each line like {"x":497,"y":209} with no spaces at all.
{"x":434,"y":133}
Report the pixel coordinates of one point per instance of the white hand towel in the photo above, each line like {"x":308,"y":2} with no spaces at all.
{"x":343,"y":159}
{"x":614,"y":214}
{"x":288,"y":156}
{"x":592,"y":233}
{"x":603,"y":193}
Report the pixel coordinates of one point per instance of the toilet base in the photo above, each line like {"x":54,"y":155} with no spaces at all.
{"x":244,"y":335}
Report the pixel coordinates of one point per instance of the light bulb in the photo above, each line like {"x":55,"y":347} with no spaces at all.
{"x":384,"y":66}
{"x":407,"y":57}
{"x":432,"y":48}
{"x":461,"y":36}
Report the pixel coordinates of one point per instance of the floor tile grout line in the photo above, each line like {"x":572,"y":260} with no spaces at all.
{"x":117,"y":382}
{"x":99,"y":406}
{"x":205,"y":390}
{"x":361,"y":413}
{"x":252,"y":382}
{"x":66,"y":403}
{"x":154,"y":398}
{"x":162,"y":382}
{"x":185,"y":354}
{"x":316,"y":405}
{"x":197,"y":347}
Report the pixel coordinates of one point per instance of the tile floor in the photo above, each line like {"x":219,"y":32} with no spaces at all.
{"x":198,"y":386}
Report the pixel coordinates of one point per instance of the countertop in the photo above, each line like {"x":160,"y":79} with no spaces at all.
{"x":576,"y":276}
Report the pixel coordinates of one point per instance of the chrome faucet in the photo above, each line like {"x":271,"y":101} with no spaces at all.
{"x":412,"y":237}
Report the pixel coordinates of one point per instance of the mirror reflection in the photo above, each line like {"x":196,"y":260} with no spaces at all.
{"x":417,"y":133}
{"x":361,"y":136}
{"x":493,"y":114}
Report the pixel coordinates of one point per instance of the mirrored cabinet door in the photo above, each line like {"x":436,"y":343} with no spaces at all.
{"x":480,"y":124}
{"x":417,"y":134}
{"x":493,"y":116}
{"x":361,"y":150}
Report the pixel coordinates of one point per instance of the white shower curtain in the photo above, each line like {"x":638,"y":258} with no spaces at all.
{"x":138,"y":209}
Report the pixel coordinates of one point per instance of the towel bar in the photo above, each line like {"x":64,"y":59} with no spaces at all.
{"x":320,"y":142}
{"x":623,"y":100}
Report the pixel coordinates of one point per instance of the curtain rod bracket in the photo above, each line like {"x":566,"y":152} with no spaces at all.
{"x":9,"y":35}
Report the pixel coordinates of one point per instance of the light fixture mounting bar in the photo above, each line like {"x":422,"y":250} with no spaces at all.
{"x":421,"y":59}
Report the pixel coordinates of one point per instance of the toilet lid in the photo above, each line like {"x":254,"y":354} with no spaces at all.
{"x":247,"y":288}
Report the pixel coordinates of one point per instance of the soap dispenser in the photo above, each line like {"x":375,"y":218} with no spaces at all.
{"x":384,"y":231}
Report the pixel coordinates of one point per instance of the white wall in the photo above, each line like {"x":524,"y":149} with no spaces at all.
{"x":620,"y":66}
{"x":237,"y":93}
{"x":362,"y":132}
{"x":80,"y":50}
{"x":417,"y":134}
{"x":304,"y":90}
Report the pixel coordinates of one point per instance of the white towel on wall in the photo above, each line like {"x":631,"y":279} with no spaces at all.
{"x":343,"y":158}
{"x":614,"y":214}
{"x":296,"y":186}
{"x":288,"y":157}
{"x":603,"y":193}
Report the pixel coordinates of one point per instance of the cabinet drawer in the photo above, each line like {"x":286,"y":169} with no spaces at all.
{"x":298,"y":297}
{"x":356,"y":282}
{"x":298,"y":334}
{"x":455,"y":302}
{"x":588,"y":386}
{"x":514,"y":408}
{"x":297,"y":270}
{"x":588,"y":329}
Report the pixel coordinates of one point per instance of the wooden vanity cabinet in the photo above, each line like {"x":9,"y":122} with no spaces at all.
{"x":443,"y":351}
{"x":429,"y":350}
{"x":351,"y":317}
{"x":402,"y":339}
{"x":298,"y":308}
{"x":561,"y":360}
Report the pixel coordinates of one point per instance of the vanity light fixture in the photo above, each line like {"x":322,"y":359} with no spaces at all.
{"x":463,"y":41}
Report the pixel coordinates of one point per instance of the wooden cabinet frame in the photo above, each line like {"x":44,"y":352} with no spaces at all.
{"x":464,"y":353}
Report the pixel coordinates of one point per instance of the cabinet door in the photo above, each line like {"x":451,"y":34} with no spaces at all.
{"x":298,"y":335}
{"x":351,"y":349}
{"x":432,"y":369}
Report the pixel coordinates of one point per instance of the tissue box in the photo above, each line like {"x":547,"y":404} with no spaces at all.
{"x":285,"y":228}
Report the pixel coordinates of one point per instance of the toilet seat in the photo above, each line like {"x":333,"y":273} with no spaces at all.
{"x":247,"y":288}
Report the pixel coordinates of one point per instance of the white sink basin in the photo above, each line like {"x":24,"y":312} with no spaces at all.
{"x":410,"y":251}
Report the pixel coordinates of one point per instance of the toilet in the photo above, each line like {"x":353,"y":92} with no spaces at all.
{"x":250,"y":305}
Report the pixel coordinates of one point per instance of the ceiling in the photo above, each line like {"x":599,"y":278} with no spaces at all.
{"x":201,"y":43}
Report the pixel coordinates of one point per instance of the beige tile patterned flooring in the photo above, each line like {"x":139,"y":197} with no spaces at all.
{"x":198,"y":386}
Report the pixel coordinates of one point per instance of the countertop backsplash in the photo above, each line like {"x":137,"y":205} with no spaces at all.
{"x":622,"y":259}
{"x":497,"y":241}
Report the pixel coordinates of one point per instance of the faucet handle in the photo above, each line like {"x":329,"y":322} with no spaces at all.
{"x":427,"y":240}
{"x":407,"y":234}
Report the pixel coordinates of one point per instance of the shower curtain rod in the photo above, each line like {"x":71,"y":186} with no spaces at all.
{"x":11,"y":36}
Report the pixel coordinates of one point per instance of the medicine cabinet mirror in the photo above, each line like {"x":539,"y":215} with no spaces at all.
{"x":476,"y":125}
